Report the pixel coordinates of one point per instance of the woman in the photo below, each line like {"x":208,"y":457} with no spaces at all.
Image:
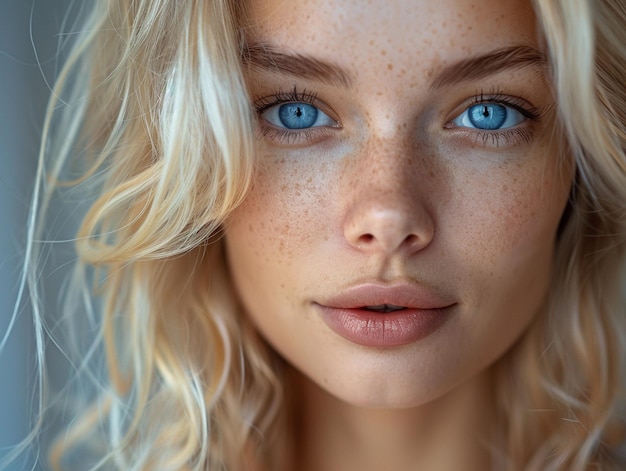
{"x":407,"y":254}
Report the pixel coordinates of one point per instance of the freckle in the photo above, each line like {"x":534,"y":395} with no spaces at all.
{"x":390,"y":66}
{"x":383,"y":52}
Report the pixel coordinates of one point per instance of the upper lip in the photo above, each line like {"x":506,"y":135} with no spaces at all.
{"x":407,"y":294}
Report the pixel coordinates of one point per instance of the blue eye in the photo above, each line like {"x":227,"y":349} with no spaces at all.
{"x":489,"y":117}
{"x":297,"y":116}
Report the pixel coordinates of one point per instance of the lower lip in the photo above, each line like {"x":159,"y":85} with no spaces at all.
{"x":373,"y":329}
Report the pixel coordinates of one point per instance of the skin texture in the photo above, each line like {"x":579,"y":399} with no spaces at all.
{"x":393,"y":190}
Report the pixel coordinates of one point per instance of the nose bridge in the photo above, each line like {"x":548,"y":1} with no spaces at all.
{"x":388,"y":210}
{"x":386,"y":177}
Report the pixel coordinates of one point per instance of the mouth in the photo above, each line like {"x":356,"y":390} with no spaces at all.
{"x":384,"y":308}
{"x":387,"y":298}
{"x":386,"y":315}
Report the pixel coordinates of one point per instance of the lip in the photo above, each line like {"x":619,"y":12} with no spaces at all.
{"x":426,"y":311}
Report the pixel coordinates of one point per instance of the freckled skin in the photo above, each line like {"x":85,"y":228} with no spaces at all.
{"x":491,"y":214}
{"x":486,"y":217}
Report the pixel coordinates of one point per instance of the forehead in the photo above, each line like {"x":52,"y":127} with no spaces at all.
{"x":363,"y":34}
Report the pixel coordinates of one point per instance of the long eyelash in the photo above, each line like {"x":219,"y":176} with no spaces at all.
{"x":286,"y":137}
{"x":265,"y":102}
{"x":517,"y":103}
{"x":508,"y":136}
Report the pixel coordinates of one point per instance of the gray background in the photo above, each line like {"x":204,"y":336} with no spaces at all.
{"x":26,"y":27}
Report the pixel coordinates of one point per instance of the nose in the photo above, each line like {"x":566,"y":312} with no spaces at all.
{"x":388,"y":213}
{"x":388,"y":230}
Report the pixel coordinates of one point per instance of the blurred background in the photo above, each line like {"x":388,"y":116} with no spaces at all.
{"x":29,"y":38}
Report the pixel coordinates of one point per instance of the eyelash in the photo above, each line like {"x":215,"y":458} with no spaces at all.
{"x":288,"y":136}
{"x":280,"y":97}
{"x":494,"y":138}
{"x":507,"y":136}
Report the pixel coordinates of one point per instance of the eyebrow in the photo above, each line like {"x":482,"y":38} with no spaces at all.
{"x":474,"y":68}
{"x":267,"y":57}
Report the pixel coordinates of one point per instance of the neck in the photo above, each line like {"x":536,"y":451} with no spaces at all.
{"x":445,"y":435}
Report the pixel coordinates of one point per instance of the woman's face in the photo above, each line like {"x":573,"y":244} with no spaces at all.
{"x":400,"y":232}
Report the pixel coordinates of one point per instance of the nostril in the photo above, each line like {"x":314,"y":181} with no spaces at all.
{"x":368,"y":239}
{"x":411,"y":240}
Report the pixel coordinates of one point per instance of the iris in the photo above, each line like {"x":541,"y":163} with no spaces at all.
{"x":297,"y":115}
{"x":487,"y":116}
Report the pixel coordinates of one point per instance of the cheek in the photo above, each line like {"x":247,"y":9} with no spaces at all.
{"x":512,"y":212}
{"x":501,"y":243}
{"x":508,"y":249}
{"x":282,"y":216}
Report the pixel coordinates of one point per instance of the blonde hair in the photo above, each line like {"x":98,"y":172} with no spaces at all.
{"x":561,"y":389}
{"x":156,"y":112}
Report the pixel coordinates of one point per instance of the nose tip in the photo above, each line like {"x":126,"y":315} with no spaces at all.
{"x":388,"y":230}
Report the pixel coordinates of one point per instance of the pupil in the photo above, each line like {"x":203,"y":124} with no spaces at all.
{"x":485,"y":112}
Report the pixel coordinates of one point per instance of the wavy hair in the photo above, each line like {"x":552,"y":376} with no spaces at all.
{"x":159,"y":123}
{"x":155,"y":117}
{"x":561,"y":390}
